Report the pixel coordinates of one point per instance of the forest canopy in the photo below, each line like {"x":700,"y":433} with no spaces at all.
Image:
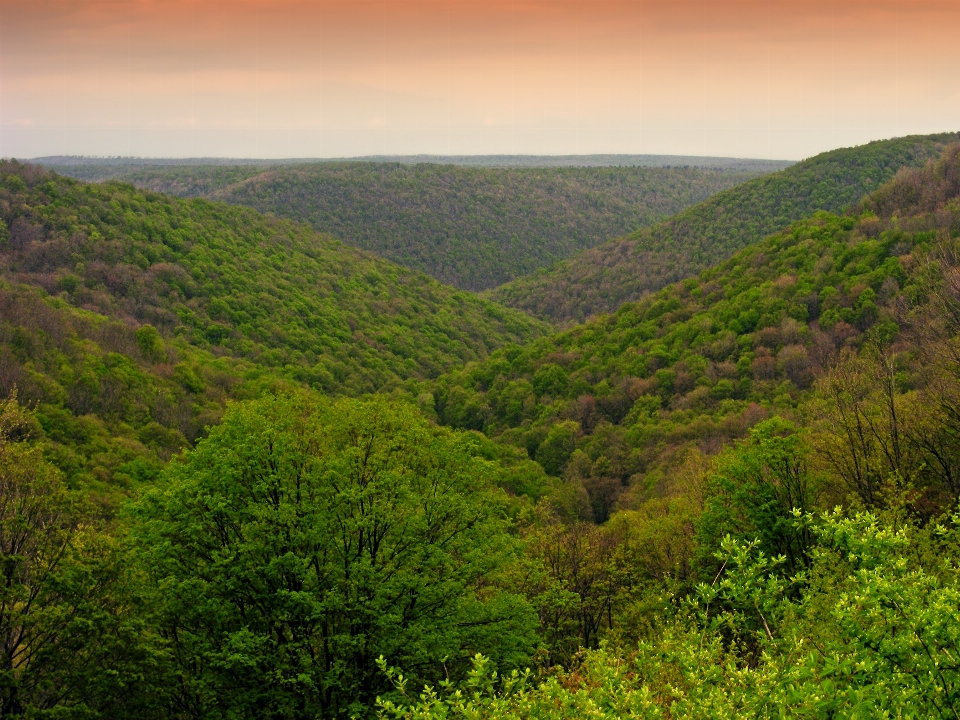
{"x":735,"y":497}
{"x":471,"y":227}
{"x":600,"y":280}
{"x":129,"y":318}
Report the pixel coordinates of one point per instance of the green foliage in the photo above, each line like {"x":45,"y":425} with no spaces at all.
{"x":150,"y":343}
{"x":235,"y":282}
{"x":109,"y":407}
{"x":700,"y":362}
{"x":313,"y":554}
{"x":70,"y":645}
{"x":757,"y":490}
{"x":305,"y":538}
{"x":872,"y":635}
{"x":159,"y":310}
{"x":602,"y":279}
{"x":470,"y":227}
{"x":558,"y":446}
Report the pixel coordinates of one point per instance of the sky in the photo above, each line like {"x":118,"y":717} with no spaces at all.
{"x":779,"y":79}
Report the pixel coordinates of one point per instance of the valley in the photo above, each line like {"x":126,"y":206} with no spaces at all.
{"x":624,"y":269}
{"x":258,"y":460}
{"x":470,"y":226}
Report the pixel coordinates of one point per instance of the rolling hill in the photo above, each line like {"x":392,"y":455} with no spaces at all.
{"x":601,"y":279}
{"x":229,"y":278}
{"x":750,"y":508}
{"x":470,"y":227}
{"x":614,"y":404}
{"x":130,"y":318}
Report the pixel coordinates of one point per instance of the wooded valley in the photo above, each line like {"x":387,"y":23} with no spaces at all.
{"x":470,"y":227}
{"x":646,"y":260}
{"x":708,"y":470}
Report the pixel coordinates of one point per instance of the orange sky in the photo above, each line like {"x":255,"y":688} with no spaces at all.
{"x":290,"y":78}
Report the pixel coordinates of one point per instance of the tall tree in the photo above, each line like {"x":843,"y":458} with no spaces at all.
{"x":307,"y":537}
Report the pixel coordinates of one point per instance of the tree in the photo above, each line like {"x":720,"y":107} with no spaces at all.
{"x":307,"y":537}
{"x":580,"y":575}
{"x":869,"y":631}
{"x":69,"y":642}
{"x":757,"y":488}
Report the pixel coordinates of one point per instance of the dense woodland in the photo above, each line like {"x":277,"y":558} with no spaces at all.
{"x":735,"y":497}
{"x":470,"y":227}
{"x":130,"y":317}
{"x":627,"y":268}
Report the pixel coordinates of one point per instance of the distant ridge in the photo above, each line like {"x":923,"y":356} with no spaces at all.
{"x":471,"y":227}
{"x":56,"y":161}
{"x":505,"y":161}
{"x":721,"y":163}
{"x":601,"y":279}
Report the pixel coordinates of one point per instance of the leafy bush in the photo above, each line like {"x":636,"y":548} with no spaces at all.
{"x":873,"y":634}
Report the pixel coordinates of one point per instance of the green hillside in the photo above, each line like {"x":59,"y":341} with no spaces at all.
{"x":470,"y":227}
{"x":238,"y":283}
{"x":130,"y":317}
{"x":614,"y":404}
{"x":751,"y":506}
{"x":113,"y":402}
{"x":601,"y":279}
{"x":809,"y":569}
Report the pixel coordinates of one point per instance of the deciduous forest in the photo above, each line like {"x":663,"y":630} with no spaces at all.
{"x":646,"y":260}
{"x":470,"y":227}
{"x":248,"y":470}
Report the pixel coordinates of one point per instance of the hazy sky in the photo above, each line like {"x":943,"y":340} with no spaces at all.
{"x":778,"y":79}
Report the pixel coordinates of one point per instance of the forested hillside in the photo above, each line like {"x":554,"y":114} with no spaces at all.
{"x":190,"y":179}
{"x":470,"y":227}
{"x":114,"y":401}
{"x":736,"y":497}
{"x":601,"y":279}
{"x":248,"y":285}
{"x":810,"y":568}
{"x":131,"y":317}
{"x":616,"y":403}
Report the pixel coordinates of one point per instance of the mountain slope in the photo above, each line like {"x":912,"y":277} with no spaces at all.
{"x":614,"y":404}
{"x":601,"y":279}
{"x":470,"y":227}
{"x":113,"y":402}
{"x":235,"y":282}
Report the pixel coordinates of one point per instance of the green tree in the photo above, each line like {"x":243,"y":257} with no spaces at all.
{"x":873,"y":635}
{"x":558,"y":446}
{"x":755,"y":492}
{"x":150,"y":343}
{"x":307,"y":537}
{"x":70,"y":645}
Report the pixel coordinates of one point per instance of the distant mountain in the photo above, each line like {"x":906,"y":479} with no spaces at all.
{"x":470,"y":227}
{"x":68,"y":164}
{"x":601,"y":279}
